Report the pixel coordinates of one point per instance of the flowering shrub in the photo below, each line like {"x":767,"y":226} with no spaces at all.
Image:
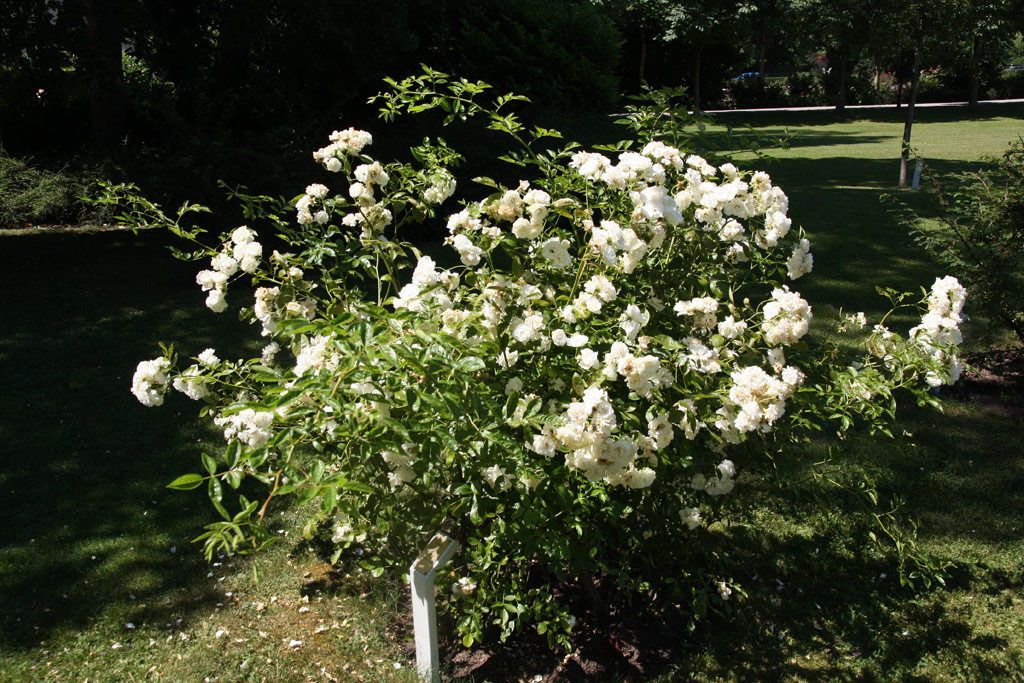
{"x":617,"y":346}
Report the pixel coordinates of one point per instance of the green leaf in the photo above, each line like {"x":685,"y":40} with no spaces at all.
{"x":307,"y":494}
{"x":357,"y":486}
{"x":209,"y":464}
{"x":233,"y":454}
{"x":330,"y":500}
{"x":234,"y":478}
{"x":187,"y":482}
{"x":474,"y":514}
{"x":215,"y":490}
{"x":387,"y":352}
{"x":220,"y":507}
{"x":470,"y":364}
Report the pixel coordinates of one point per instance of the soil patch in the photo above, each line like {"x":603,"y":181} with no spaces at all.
{"x":993,"y":380}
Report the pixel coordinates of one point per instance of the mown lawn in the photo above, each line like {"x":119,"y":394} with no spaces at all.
{"x":99,"y":579}
{"x":836,"y":170}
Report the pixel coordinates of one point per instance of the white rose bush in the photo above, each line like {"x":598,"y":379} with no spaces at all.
{"x":579,"y":399}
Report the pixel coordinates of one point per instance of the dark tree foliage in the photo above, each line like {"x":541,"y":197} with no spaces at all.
{"x":563,"y":53}
{"x":186,"y":92}
{"x":192,"y":91}
{"x":246,"y":64}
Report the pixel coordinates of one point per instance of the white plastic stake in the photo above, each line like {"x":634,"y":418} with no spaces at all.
{"x":424,"y":613}
{"x":917,"y":175}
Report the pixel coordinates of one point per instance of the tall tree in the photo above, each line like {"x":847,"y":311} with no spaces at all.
{"x":42,"y":42}
{"x":982,"y":38}
{"x":842,"y":28}
{"x":693,"y":26}
{"x":102,"y":65}
{"x":700,"y":25}
{"x":766,"y":17}
{"x":916,"y":21}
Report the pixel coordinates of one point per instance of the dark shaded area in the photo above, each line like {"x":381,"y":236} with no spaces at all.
{"x":808,"y":602}
{"x":213,"y":90}
{"x":87,"y":518}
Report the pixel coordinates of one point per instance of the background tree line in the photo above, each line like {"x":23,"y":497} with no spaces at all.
{"x":207,"y":89}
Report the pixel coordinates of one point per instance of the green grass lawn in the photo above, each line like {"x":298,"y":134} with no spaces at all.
{"x":835,"y":171}
{"x":99,"y":579}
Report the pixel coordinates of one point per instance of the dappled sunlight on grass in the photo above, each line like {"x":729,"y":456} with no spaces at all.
{"x":98,"y":575}
{"x":836,"y":170}
{"x":825,"y":604}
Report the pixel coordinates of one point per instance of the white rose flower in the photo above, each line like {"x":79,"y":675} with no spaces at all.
{"x":211,"y":279}
{"x":242,"y":235}
{"x":149,"y":383}
{"x":192,"y":384}
{"x":215,"y":301}
{"x":224,"y":263}
{"x":268,"y":353}
{"x":556,"y":251}
{"x":316,"y":190}
{"x":495,"y":476}
{"x":526,"y":229}
{"x":691,"y":517}
{"x":589,"y":359}
{"x":577,"y":340}
{"x":208,"y":357}
{"x":464,"y":587}
{"x":731,"y":328}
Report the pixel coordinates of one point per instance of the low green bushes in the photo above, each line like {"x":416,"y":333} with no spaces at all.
{"x":30,"y":194}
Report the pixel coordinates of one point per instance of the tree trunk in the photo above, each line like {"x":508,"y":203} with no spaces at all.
{"x":761,"y":49}
{"x":234,"y":44}
{"x":972,"y":95}
{"x":696,"y":77}
{"x":643,"y":57}
{"x":841,"y":85}
{"x":103,"y":72}
{"x":914,"y":79}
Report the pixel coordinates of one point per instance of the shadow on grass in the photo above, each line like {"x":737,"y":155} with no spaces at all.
{"x":807,"y":175}
{"x":822,"y":603}
{"x":816,"y":609}
{"x":797,"y":139}
{"x":856,"y":239}
{"x":89,"y":527}
{"x":846,"y":618}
